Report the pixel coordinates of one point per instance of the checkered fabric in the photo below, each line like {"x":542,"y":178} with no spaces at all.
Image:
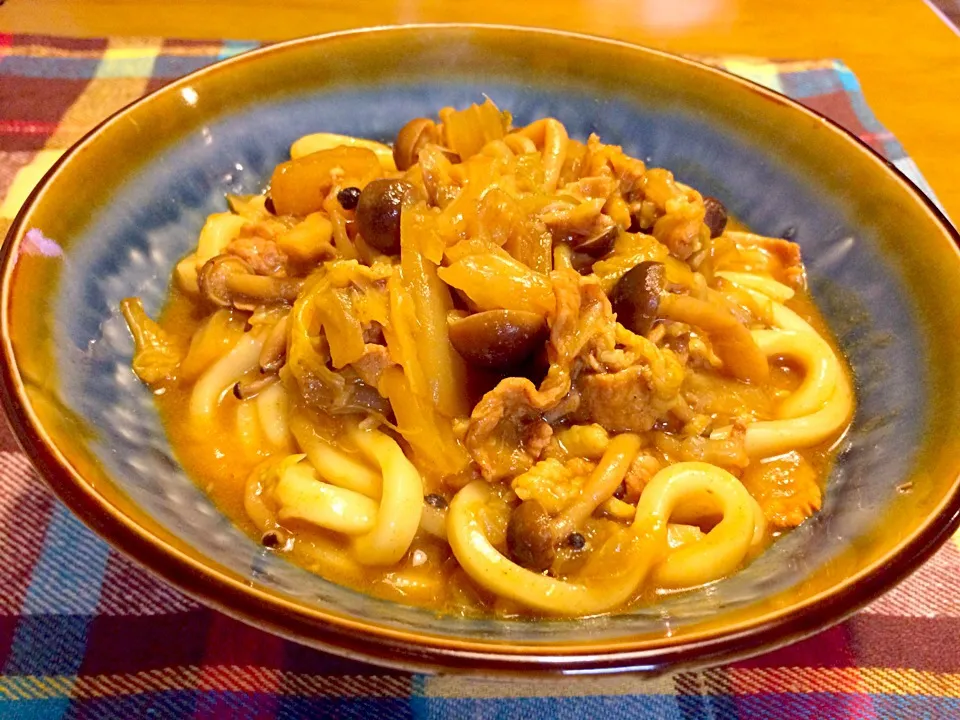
{"x":85,"y":633}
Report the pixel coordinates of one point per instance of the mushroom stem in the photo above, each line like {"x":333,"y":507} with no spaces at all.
{"x":602,"y":483}
{"x":229,"y":281}
{"x":412,"y":138}
{"x":266,"y":289}
{"x":246,"y":389}
{"x":274,"y":352}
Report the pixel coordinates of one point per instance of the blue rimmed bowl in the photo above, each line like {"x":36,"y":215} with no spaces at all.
{"x":113,"y":216}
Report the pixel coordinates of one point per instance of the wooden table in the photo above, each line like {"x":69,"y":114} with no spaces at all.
{"x":906,"y":57}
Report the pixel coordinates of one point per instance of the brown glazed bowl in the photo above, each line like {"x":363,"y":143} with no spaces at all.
{"x":114,"y":215}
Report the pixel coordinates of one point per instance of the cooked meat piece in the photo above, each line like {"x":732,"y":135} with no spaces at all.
{"x":373,"y":333}
{"x":566,"y":220}
{"x":641,"y":472}
{"x":595,"y":187}
{"x":680,"y":230}
{"x":337,"y":392}
{"x":552,"y":483}
{"x":365,"y":398}
{"x":776,"y":256}
{"x":628,"y":170}
{"x":507,"y":431}
{"x":583,"y":333}
{"x":622,"y":401}
{"x":538,"y":437}
{"x":610,"y":161}
{"x":611,"y":360}
{"x":584,"y":322}
{"x":262,"y":255}
{"x":786,"y":489}
{"x":788,"y":255}
{"x":729,"y":452}
{"x":372,"y":363}
{"x":643,"y":215}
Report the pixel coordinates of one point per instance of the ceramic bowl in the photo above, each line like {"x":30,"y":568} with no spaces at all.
{"x":121,"y":207}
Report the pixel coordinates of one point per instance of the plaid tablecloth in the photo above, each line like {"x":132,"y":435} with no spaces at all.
{"x":86,"y":633}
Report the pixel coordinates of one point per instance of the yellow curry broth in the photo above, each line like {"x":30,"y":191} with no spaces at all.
{"x":217,"y":456}
{"x":402,"y":308}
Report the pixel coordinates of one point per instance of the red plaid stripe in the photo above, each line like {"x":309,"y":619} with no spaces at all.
{"x":147,"y":650}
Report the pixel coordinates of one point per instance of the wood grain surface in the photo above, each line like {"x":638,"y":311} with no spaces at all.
{"x":907,"y":58}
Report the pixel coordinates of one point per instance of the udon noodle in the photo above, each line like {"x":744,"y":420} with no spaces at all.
{"x":496,"y":369}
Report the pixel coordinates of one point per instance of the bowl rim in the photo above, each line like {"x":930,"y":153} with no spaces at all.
{"x":345,"y":635}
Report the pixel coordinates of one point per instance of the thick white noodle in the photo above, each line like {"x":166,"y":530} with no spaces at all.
{"x":821,"y":405}
{"x":273,"y":409}
{"x":398,"y":517}
{"x":223,"y":375}
{"x":301,"y":495}
{"x":316,"y":142}
{"x":334,"y":464}
{"x":721,"y":551}
{"x":617,"y":569}
{"x":551,"y":135}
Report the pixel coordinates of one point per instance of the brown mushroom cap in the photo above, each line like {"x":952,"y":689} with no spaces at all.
{"x":715,"y":217}
{"x":378,"y":212}
{"x":530,"y":539}
{"x":498,"y":339}
{"x":598,"y":244}
{"x":411,"y":139}
{"x":636,"y":296}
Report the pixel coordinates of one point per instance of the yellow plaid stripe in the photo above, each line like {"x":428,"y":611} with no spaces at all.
{"x":764,"y":72}
{"x":129,"y":58}
{"x":45,"y":51}
{"x":221,"y":679}
{"x":25,"y":180}
{"x":876,"y":681}
{"x":33,"y":687}
{"x":457,"y":687}
{"x":120,"y":79}
{"x":736,"y":681}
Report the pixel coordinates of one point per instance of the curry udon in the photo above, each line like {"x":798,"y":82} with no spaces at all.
{"x":495,"y":369}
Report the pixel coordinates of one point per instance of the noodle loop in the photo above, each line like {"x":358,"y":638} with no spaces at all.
{"x":496,"y":369}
